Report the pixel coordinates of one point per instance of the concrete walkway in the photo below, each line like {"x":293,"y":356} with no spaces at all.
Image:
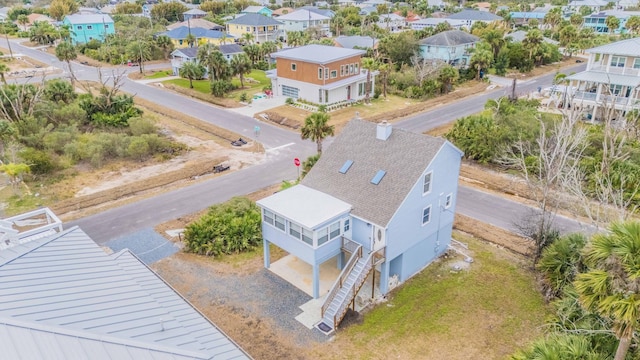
{"x":150,"y":81}
{"x":258,"y":106}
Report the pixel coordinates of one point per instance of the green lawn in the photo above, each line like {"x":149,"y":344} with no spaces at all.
{"x":486,"y":312}
{"x":159,"y":74}
{"x":250,"y":87}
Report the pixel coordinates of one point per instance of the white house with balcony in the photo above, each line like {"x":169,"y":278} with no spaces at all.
{"x":304,"y":19}
{"x":611,"y":80}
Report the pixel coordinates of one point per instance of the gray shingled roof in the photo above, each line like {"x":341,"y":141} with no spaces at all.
{"x":253,"y":19}
{"x":89,"y":19}
{"x":230,"y":49}
{"x":65,"y":285}
{"x":450,"y":38}
{"x":404,"y":156}
{"x":475,"y":15}
{"x":351,"y":42}
{"x":317,"y":54}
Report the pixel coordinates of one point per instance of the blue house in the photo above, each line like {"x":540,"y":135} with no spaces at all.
{"x":452,"y":46}
{"x":85,"y":28}
{"x":379,"y":200}
{"x":255,"y":9}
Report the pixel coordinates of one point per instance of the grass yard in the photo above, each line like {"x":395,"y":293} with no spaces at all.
{"x":160,"y":74}
{"x":486,"y":312}
{"x":253,"y":83}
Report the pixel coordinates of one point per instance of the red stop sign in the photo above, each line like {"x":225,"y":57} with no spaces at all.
{"x":296,"y":162}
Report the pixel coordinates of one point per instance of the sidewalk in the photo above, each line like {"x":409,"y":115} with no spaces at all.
{"x":258,"y":106}
{"x":150,"y":81}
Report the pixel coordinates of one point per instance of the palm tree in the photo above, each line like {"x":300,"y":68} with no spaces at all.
{"x":3,"y":70}
{"x":612,"y":23}
{"x":385,"y":69}
{"x":532,"y":40}
{"x":495,"y":38}
{"x":481,"y":58}
{"x":447,"y":76}
{"x":633,"y":24}
{"x":553,"y":17}
{"x":67,"y":52}
{"x":247,"y":38}
{"x":253,"y":52}
{"x":611,"y":287}
{"x":241,"y":66}
{"x":368,"y":64}
{"x":190,"y":39}
{"x":164,"y":42}
{"x":560,"y":262}
{"x":316,"y":128}
{"x":192,"y":71}
{"x":139,"y":51}
{"x":338,"y":24}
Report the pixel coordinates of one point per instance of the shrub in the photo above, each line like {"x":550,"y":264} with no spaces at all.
{"x":138,"y":148}
{"x":39,"y":161}
{"x":243,"y":97}
{"x":220,"y":87}
{"x":227,"y":228}
{"x":56,"y":141}
{"x":289,"y":101}
{"x":140,"y":126}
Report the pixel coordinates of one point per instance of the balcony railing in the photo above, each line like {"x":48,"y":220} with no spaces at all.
{"x":616,"y":70}
{"x":604,"y":99}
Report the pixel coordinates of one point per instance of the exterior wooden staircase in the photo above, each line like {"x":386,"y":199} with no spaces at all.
{"x":346,"y":287}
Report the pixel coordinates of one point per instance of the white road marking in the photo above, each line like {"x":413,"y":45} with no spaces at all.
{"x":279,"y":147}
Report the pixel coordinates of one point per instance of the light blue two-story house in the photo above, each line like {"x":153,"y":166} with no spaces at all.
{"x":452,"y":47}
{"x":85,"y":28}
{"x":379,"y":199}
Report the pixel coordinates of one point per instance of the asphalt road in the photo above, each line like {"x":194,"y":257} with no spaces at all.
{"x":281,"y":147}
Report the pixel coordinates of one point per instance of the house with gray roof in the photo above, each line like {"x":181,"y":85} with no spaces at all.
{"x":261,"y":28}
{"x":610,"y":82}
{"x":193,"y":14}
{"x":380,"y":200}
{"x":84,"y":28}
{"x":63,"y":297}
{"x":320,"y":74}
{"x":470,"y":17}
{"x":452,"y":46}
{"x":356,"y":42}
{"x":303,"y":19}
{"x":190,"y":54}
{"x":520,"y":35}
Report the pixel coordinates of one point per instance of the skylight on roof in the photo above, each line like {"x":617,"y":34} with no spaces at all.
{"x":379,"y":175}
{"x":346,"y":166}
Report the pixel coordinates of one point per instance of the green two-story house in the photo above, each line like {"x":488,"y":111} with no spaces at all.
{"x":85,"y":28}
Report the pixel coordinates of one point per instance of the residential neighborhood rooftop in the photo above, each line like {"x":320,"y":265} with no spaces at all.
{"x":606,"y":78}
{"x":63,"y":297}
{"x":306,"y":206}
{"x":318,"y":54}
{"x":450,"y":38}
{"x":403,"y":156}
{"x":629,"y":47}
{"x":351,"y":42}
{"x":183,"y":31}
{"x":252,"y":19}
{"x":89,"y":19}
{"x":477,"y":15}
{"x":520,"y":35}
{"x":302,"y":15}
{"x":196,"y":23}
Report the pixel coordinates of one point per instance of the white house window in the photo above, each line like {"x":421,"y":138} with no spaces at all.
{"x":617,"y":61}
{"x":279,"y":222}
{"x":447,"y":201}
{"x":360,"y":89}
{"x":268,"y":217}
{"x":341,"y":70}
{"x":334,"y":74}
{"x":248,"y":28}
{"x":89,"y":27}
{"x":351,"y":69}
{"x":427,"y":183}
{"x":307,"y":236}
{"x":334,"y":230}
{"x":615,"y":89}
{"x":356,"y":68}
{"x":323,"y":236}
{"x":106,"y":26}
{"x":294,"y":66}
{"x":79,"y":27}
{"x":320,"y":95}
{"x":426,"y":215}
{"x":636,"y":63}
{"x":326,"y":73}
{"x":295,"y":230}
{"x":346,"y":225}
{"x":320,"y":73}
